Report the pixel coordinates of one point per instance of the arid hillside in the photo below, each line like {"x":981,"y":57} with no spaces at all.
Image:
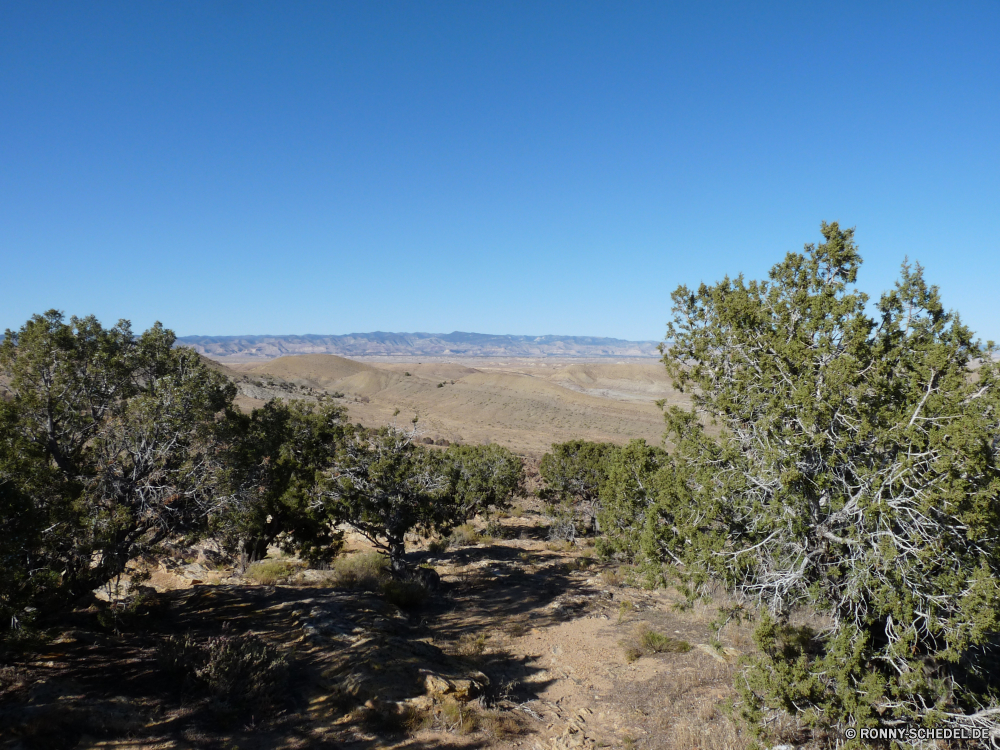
{"x":524,"y":404}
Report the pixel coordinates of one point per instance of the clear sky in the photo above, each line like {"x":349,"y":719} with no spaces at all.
{"x":499,"y":167}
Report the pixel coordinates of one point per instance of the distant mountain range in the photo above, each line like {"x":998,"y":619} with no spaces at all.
{"x":380,"y":344}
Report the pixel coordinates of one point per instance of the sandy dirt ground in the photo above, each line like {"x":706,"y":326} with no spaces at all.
{"x":554,"y":636}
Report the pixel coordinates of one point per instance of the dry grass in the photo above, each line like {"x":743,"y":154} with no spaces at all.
{"x":612,"y":577}
{"x":464,"y":535}
{"x":363,"y":570}
{"x":392,"y":719}
{"x":688,"y":705}
{"x":578,"y":563}
{"x":472,"y":646}
{"x":500,"y":725}
{"x":458,"y":718}
{"x":563,"y":546}
{"x":271,"y":572}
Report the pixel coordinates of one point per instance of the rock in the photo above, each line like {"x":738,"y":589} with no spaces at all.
{"x":461,"y":689}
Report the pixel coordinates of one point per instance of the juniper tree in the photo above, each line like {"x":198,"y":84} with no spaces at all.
{"x":384,"y":485}
{"x":574,"y":472}
{"x":104,"y":438}
{"x":481,"y":479}
{"x":629,"y":489}
{"x":269,"y":466}
{"x":853,"y":469}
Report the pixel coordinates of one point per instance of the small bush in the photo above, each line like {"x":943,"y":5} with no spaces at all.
{"x":613,"y":578}
{"x":663,"y":644}
{"x":363,"y":570}
{"x":464,"y":535}
{"x":271,"y":572}
{"x":240,"y":670}
{"x":437,"y":546}
{"x":404,"y":594}
{"x":495,"y":530}
{"x":632,"y":653}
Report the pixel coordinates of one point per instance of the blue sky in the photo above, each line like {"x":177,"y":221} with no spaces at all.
{"x":503,"y":167}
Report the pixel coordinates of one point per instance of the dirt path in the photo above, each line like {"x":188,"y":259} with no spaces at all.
{"x":526,"y":644}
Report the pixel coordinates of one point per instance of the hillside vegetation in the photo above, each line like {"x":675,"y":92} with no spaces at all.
{"x":313,"y":551}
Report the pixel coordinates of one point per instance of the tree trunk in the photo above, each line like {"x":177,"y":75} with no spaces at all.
{"x":397,"y":564}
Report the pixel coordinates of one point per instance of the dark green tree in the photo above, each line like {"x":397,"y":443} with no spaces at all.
{"x":270,"y":463}
{"x":384,"y":485}
{"x":630,"y":488}
{"x":574,"y":473}
{"x":852,"y":468}
{"x":105,"y":442}
{"x":481,"y":479}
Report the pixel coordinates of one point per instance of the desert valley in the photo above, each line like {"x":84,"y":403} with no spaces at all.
{"x":524,"y":404}
{"x":527,"y":641}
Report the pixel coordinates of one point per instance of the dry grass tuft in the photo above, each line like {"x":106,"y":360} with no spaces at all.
{"x":271,"y":572}
{"x":458,"y":718}
{"x":500,"y":725}
{"x":472,"y":646}
{"x":464,"y":535}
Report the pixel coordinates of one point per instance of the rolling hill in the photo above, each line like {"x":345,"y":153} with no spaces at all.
{"x":525,"y":404}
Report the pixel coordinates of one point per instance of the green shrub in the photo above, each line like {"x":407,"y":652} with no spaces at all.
{"x":574,"y":473}
{"x":663,"y":644}
{"x":851,"y":468}
{"x":494,"y":530}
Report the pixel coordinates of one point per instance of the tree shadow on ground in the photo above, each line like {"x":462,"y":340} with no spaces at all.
{"x":93,"y":685}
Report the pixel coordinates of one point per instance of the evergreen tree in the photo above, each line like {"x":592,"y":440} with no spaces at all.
{"x":104,"y":443}
{"x":851,"y":467}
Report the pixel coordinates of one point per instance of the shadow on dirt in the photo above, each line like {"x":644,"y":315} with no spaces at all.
{"x":345,"y":650}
